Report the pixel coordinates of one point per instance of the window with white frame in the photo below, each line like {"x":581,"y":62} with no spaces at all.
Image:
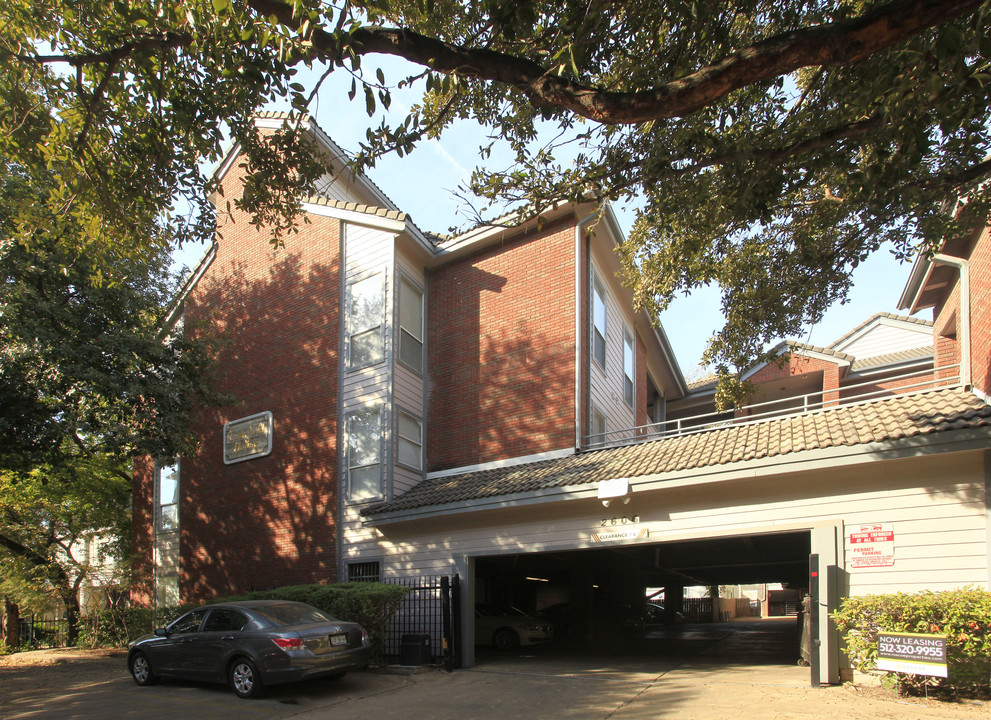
{"x":598,"y":321}
{"x":365,"y":306}
{"x":409,"y":442}
{"x":167,"y":496}
{"x":598,"y":426}
{"x":364,"y":455}
{"x":167,"y":591}
{"x":410,"y":324}
{"x":629,"y":364}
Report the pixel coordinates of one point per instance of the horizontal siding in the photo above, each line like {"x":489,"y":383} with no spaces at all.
{"x":940,"y":528}
{"x":884,"y":339}
{"x":606,"y":388}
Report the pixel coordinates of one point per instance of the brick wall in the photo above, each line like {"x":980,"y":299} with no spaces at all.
{"x":980,"y":313}
{"x":502,"y":351}
{"x":270,"y":521}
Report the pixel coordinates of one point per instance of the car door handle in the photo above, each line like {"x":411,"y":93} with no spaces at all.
{"x":226,"y":637}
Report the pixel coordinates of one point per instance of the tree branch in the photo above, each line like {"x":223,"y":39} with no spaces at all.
{"x":832,"y":44}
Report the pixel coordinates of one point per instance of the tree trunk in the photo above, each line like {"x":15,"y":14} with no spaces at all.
{"x":71,"y":602}
{"x":11,"y":624}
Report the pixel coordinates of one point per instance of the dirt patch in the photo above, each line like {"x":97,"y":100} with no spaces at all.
{"x":35,"y":669}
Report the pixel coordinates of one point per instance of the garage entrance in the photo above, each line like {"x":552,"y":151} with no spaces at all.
{"x":611,"y":598}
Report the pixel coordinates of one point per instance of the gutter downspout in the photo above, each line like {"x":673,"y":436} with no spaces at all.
{"x":963,"y":267}
{"x":578,"y":325}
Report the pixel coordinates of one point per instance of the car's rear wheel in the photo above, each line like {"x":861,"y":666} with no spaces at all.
{"x":244,"y":679}
{"x":141,"y":670}
{"x":506,"y":639}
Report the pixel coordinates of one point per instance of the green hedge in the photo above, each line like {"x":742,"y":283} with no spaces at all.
{"x":962,"y":616}
{"x":371,"y":604}
{"x":117,"y":627}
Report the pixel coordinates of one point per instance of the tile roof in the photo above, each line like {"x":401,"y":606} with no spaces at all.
{"x":918,"y":353}
{"x":889,"y":419}
{"x":357,"y":207}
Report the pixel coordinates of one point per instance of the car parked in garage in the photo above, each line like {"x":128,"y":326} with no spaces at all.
{"x":509,"y":628}
{"x":249,"y":645}
{"x":659,"y":615}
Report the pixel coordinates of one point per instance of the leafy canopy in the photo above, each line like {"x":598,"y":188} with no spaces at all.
{"x":772,"y":144}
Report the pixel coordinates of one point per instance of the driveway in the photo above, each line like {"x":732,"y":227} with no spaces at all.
{"x":739,"y":670}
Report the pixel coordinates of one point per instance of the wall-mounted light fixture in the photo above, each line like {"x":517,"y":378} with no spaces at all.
{"x":615,"y":489}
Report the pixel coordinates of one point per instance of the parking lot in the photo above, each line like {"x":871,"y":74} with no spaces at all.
{"x":738,"y":670}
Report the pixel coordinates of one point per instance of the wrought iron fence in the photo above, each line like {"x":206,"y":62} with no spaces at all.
{"x":41,"y":632}
{"x":430,"y":608}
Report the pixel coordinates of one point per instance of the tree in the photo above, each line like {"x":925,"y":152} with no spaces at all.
{"x":774,"y":143}
{"x":88,"y":381}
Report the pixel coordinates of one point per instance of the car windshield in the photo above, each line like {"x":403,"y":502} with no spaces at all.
{"x":293,"y":614}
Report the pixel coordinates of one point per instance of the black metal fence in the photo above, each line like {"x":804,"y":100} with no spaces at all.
{"x":41,"y":632}
{"x":429,"y":617}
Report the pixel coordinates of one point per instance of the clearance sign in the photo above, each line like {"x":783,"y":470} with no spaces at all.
{"x":871,"y":545}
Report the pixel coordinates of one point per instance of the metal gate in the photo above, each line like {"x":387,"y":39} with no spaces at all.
{"x":431,"y":608}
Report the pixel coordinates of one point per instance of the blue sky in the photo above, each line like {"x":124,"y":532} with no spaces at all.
{"x":424,"y":185}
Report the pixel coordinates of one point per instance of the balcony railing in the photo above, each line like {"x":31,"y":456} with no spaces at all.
{"x":904,"y":383}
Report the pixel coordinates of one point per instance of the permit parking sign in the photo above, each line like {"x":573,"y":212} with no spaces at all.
{"x":871,"y":546}
{"x":913,"y":653}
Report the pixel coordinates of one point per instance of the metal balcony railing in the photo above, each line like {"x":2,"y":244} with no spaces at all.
{"x":867,"y":389}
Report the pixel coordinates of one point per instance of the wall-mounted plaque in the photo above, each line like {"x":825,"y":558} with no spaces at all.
{"x":248,"y":438}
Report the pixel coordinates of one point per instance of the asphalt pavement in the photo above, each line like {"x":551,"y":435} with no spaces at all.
{"x":733,"y":670}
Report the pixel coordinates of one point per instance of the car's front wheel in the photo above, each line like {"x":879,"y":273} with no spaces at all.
{"x":141,"y":670}
{"x":506,"y":639}
{"x":244,"y":679}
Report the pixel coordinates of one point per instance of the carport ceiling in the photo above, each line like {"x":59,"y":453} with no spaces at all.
{"x":781,"y":557}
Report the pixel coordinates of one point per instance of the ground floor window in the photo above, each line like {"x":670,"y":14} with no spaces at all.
{"x":364,"y":572}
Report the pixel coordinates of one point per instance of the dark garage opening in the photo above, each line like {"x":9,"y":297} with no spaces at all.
{"x":597,"y":599}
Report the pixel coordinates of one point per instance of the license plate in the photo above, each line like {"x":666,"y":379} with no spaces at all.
{"x":338,"y":640}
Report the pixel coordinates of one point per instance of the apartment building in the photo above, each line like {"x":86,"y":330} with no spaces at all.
{"x":491,"y":406}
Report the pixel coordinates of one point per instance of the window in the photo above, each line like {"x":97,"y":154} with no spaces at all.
{"x":188,"y":623}
{"x":598,"y":427}
{"x":410,"y":325}
{"x":628,"y":367}
{"x":225,"y":620}
{"x":364,"y":455}
{"x":598,"y":321}
{"x":364,"y":572}
{"x":364,"y":322}
{"x":167,"y":497}
{"x":167,"y":591}
{"x":410,"y":440}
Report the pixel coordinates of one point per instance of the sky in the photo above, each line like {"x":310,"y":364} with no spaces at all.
{"x":424,"y":184}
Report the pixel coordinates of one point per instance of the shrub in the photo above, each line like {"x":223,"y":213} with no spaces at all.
{"x":371,"y":604}
{"x":962,"y":616}
{"x":115,"y":627}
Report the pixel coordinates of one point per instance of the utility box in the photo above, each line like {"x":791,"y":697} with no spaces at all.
{"x":415,"y":649}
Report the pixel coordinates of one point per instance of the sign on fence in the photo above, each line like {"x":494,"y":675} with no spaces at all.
{"x":912,"y":653}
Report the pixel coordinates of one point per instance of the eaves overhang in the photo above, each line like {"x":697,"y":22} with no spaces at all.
{"x":957,"y":441}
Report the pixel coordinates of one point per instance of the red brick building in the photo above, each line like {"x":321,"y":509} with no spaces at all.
{"x":491,"y":406}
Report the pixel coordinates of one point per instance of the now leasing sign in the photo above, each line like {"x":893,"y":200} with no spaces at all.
{"x":912,"y":653}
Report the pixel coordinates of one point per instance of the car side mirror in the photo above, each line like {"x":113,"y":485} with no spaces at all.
{"x":161,"y":632}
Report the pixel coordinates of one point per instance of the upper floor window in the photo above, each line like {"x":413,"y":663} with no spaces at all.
{"x":410,"y":440}
{"x":167,"y":496}
{"x":599,"y":429}
{"x":629,"y":363}
{"x":364,"y":455}
{"x":365,"y":305}
{"x":410,"y":325}
{"x":598,"y":321}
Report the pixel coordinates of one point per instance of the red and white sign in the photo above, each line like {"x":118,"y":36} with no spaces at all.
{"x":871,"y":545}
